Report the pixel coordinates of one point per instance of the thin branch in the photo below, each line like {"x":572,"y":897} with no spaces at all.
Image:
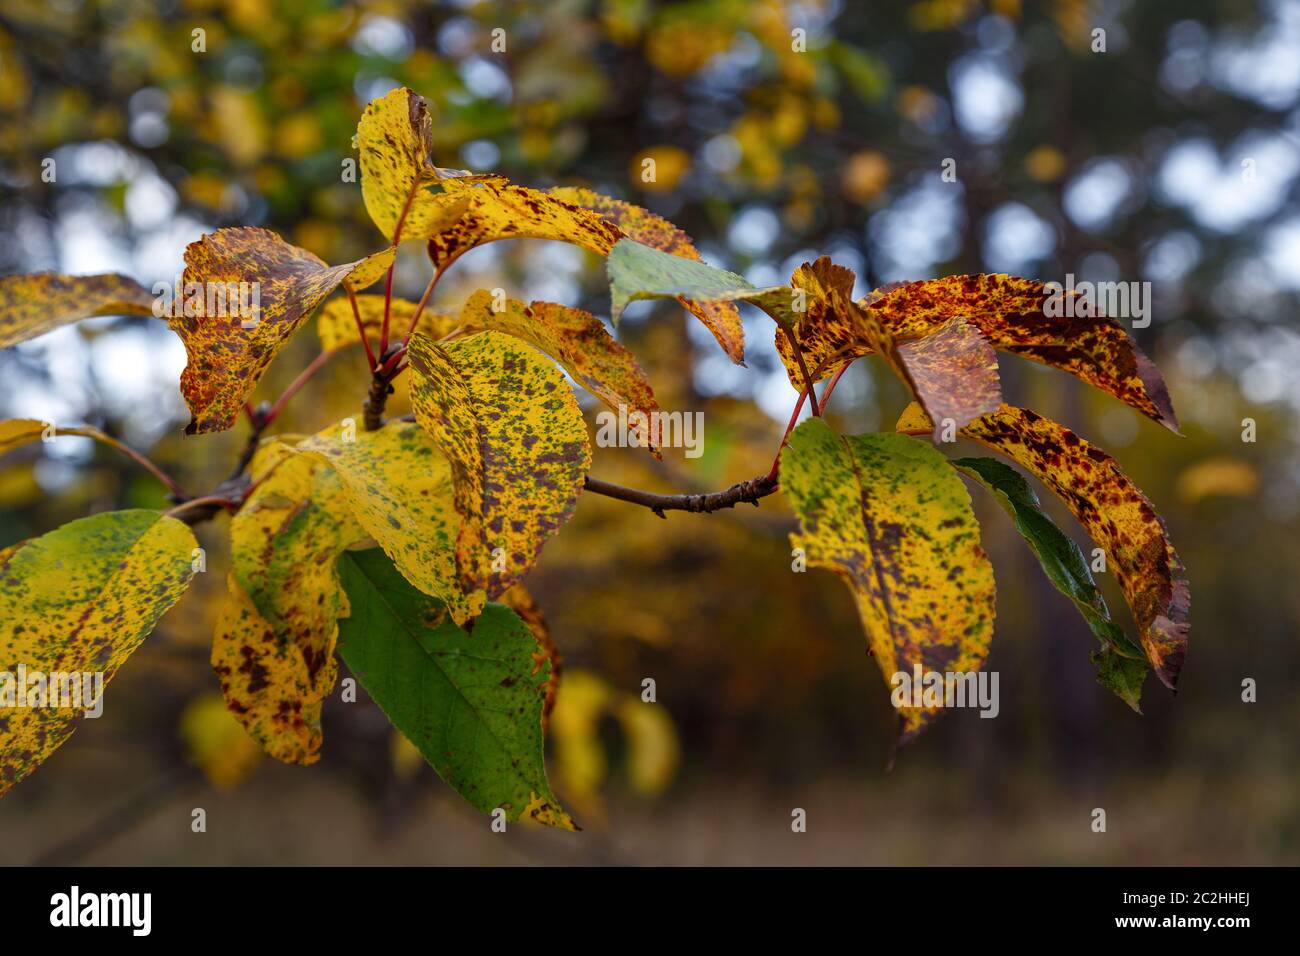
{"x":361,"y":326}
{"x":303,"y":378}
{"x":803,"y":368}
{"x":750,"y":491}
{"x":388,"y":285}
{"x":144,"y":462}
{"x":203,"y":508}
{"x":794,"y":417}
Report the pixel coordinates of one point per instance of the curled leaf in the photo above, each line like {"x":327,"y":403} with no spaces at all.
{"x":399,"y":182}
{"x":1114,"y":512}
{"x":275,"y":285}
{"x":31,"y":305}
{"x":75,"y":604}
{"x":889,"y":516}
{"x":512,"y":431}
{"x":1067,"y":569}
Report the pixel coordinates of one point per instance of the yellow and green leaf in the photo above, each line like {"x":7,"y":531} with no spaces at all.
{"x":399,"y":487}
{"x":1111,"y":508}
{"x":79,"y":600}
{"x":228,"y":353}
{"x":31,"y":305}
{"x":508,"y":423}
{"x":889,"y":516}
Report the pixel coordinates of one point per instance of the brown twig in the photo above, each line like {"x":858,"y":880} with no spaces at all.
{"x":750,"y":491}
{"x":803,"y":369}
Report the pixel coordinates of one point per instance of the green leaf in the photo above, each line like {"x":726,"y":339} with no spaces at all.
{"x":79,"y":600}
{"x":1065,"y":566}
{"x":471,"y":703}
{"x":637,"y":271}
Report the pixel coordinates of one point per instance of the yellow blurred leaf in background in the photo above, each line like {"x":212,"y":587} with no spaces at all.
{"x":216,"y":743}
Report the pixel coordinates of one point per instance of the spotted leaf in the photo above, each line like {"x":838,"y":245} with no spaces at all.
{"x":398,"y":179}
{"x":276,"y":285}
{"x":1121,"y":664}
{"x":78,"y":601}
{"x":889,"y":516}
{"x":1114,"y":512}
{"x":574,"y":338}
{"x":509,"y":425}
{"x":31,"y":305}
{"x":399,"y":487}
{"x":274,"y":646}
{"x":471,"y":703}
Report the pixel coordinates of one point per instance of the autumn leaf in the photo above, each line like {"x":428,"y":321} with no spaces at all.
{"x":643,"y":226}
{"x":574,"y":338}
{"x":509,"y":425}
{"x":216,"y":743}
{"x":399,"y":182}
{"x":274,"y":648}
{"x":229,"y":346}
{"x":79,"y":600}
{"x":20,"y":431}
{"x":1121,"y":664}
{"x":1011,"y":314}
{"x":31,"y":305}
{"x":336,"y":326}
{"x":1114,"y":512}
{"x":399,"y":487}
{"x":889,"y":516}
{"x":471,"y":703}
{"x":952,"y":371}
{"x":547,"y":653}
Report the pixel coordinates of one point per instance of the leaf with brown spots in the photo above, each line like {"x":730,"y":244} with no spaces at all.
{"x":472,"y":703}
{"x":31,"y":305}
{"x":274,"y":647}
{"x":889,"y":516}
{"x":508,"y":423}
{"x":230,"y":346}
{"x":1114,"y":512}
{"x":721,"y":318}
{"x":337,"y":326}
{"x":78,"y":601}
{"x":1011,"y":314}
{"x":574,"y":338}
{"x":399,"y":182}
{"x":952,"y":370}
{"x":399,"y":487}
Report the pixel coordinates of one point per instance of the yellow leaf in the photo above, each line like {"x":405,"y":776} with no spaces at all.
{"x":652,"y":749}
{"x":1220,"y":475}
{"x":399,"y":486}
{"x":395,"y":137}
{"x":274,"y":649}
{"x":31,"y":305}
{"x":512,"y":431}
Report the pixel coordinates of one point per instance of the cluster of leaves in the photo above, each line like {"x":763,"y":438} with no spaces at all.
{"x":401,"y":546}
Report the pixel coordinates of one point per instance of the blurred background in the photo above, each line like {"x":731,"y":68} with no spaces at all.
{"x":1163,"y":148}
